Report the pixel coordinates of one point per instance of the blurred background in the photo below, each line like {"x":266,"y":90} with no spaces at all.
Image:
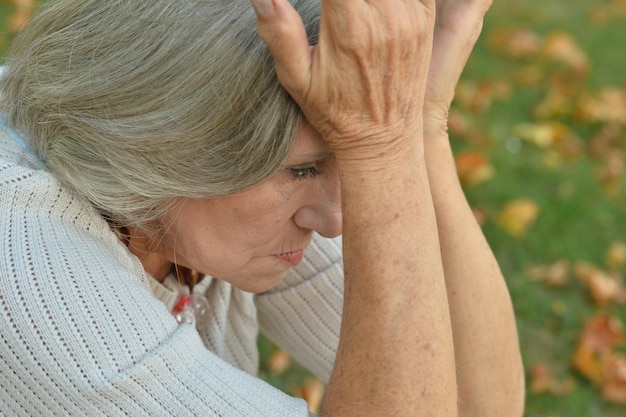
{"x":539,"y":130}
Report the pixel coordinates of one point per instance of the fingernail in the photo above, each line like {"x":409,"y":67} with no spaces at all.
{"x":263,"y":7}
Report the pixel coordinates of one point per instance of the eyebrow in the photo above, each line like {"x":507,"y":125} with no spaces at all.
{"x":306,"y":158}
{"x":309,"y":157}
{"x":317,"y":155}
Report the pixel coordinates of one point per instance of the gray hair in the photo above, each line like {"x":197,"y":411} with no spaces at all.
{"x":135,"y":103}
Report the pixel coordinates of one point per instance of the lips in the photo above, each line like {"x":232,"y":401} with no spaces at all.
{"x":292,"y":258}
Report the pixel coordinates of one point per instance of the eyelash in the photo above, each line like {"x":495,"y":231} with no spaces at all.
{"x":304,"y":173}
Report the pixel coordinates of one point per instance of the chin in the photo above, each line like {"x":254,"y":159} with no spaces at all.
{"x":261,"y":284}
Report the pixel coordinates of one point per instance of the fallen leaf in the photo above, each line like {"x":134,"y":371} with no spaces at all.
{"x":561,"y":46}
{"x":476,"y":97}
{"x":522,"y":43}
{"x":543,"y":134}
{"x":602,"y":334}
{"x":614,"y":379}
{"x":530,"y":75}
{"x":594,"y":356}
{"x":555,"y":104}
{"x":312,"y":392}
{"x":23,"y":9}
{"x":458,"y":123}
{"x":278,"y":362}
{"x":603,"y":14}
{"x":517,"y":216}
{"x":611,"y":172}
{"x":588,"y":364}
{"x":607,"y":105}
{"x":473,"y":168}
{"x":616,"y":255}
{"x":543,"y":381}
{"x":555,"y":274}
{"x":603,"y":287}
{"x":606,"y":141}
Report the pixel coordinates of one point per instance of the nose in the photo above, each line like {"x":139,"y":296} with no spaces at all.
{"x":323,"y":212}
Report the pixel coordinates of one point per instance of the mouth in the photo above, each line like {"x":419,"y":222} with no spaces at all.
{"x":291,"y":258}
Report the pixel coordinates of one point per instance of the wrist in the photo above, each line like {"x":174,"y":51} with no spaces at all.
{"x":378,"y":150}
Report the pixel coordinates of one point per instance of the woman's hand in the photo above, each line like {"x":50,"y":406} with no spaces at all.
{"x":363,"y":83}
{"x":457,"y":28}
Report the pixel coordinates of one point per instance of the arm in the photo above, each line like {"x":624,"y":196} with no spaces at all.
{"x":367,"y":103}
{"x":490,"y":375}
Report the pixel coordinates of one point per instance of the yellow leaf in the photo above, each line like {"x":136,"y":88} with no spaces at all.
{"x":517,"y":216}
{"x":561,"y":46}
{"x":616,"y":255}
{"x":588,"y":364}
{"x":542,"y":135}
{"x":607,"y":105}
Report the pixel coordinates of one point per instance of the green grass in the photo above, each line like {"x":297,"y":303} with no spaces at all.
{"x":578,"y":218}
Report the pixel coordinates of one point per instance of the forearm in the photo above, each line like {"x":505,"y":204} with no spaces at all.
{"x":362,"y":88}
{"x":489,"y":369}
{"x":395,"y":352}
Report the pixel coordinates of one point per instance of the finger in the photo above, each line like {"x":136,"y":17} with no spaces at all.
{"x":458,"y":25}
{"x":457,"y":28}
{"x":282,"y":30}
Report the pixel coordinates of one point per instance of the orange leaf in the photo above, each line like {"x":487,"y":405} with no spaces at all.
{"x":473,"y":168}
{"x":278,"y":362}
{"x":602,"y":334}
{"x":312,"y":392}
{"x":542,"y":381}
{"x":23,"y":11}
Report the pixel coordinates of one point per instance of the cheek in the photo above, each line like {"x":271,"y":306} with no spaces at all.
{"x":267,"y":214}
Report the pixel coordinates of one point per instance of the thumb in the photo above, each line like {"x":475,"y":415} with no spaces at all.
{"x":282,"y":30}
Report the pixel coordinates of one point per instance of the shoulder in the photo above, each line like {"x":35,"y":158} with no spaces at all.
{"x":38,"y":213}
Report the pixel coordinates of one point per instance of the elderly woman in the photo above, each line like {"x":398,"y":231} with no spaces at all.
{"x":170,"y":184}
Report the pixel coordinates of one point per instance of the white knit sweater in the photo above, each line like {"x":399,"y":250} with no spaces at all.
{"x":85,"y":331}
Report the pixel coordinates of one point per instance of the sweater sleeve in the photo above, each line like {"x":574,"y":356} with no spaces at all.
{"x":302,"y":314}
{"x":81,"y":334}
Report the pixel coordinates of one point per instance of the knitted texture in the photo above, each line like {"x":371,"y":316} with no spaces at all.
{"x":85,"y":331}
